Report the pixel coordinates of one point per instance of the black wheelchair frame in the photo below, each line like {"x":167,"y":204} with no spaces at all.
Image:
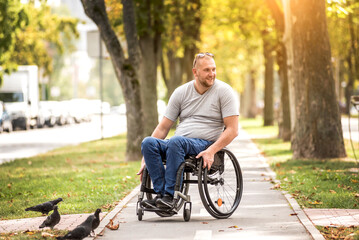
{"x":220,"y":188}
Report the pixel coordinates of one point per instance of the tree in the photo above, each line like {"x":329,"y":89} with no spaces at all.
{"x":284,"y":124}
{"x":344,"y":37}
{"x":150,"y":28}
{"x":126,"y":68}
{"x":182,"y":28}
{"x":46,"y":35}
{"x":317,"y":132}
{"x":13,"y":20}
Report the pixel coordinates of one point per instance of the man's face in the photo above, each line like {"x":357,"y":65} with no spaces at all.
{"x":205,"y":71}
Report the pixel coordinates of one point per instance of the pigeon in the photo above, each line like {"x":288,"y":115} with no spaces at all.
{"x":44,"y":208}
{"x":51,"y":220}
{"x":81,"y":231}
{"x":96,"y":221}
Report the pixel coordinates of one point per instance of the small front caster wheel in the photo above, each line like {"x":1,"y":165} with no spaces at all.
{"x":187,"y":214}
{"x":139,"y":214}
{"x":187,"y":211}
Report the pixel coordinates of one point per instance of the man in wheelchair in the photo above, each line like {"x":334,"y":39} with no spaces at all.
{"x":208,"y":121}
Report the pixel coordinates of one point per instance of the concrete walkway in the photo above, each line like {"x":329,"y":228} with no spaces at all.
{"x":263,"y":213}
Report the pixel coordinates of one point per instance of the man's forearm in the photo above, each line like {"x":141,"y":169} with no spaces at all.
{"x":226,"y":138}
{"x":227,"y":135}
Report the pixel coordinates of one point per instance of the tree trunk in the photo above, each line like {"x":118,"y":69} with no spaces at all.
{"x":176,"y":72}
{"x":248,"y":101}
{"x":149,"y":23}
{"x":318,"y":131}
{"x":126,"y":70}
{"x":189,"y":54}
{"x":284,"y":124}
{"x":288,"y":42}
{"x":350,"y":85}
{"x":148,"y":75}
{"x":268,"y":81}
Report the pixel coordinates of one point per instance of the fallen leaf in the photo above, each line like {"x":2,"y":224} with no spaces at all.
{"x":46,"y":234}
{"x":277,"y":186}
{"x":9,"y":185}
{"x":29,"y":162}
{"x":356,"y":195}
{"x":233,"y":226}
{"x":354,"y":180}
{"x":277,"y":164}
{"x":204,"y":222}
{"x":294,"y":214}
{"x":112,"y":226}
{"x":220,"y":230}
{"x":315,"y":202}
{"x":332,"y":191}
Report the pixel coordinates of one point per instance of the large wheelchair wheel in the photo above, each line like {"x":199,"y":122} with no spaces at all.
{"x":184,"y":190}
{"x":221,"y":187}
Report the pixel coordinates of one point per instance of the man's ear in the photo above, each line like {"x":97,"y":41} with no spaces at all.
{"x":194,"y":71}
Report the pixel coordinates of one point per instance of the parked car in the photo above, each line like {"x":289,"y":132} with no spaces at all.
{"x":5,"y":120}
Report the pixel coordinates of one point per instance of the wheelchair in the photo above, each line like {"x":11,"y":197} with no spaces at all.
{"x":220,"y":188}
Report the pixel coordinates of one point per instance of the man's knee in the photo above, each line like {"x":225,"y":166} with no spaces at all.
{"x":176,"y":142}
{"x":148,"y":142}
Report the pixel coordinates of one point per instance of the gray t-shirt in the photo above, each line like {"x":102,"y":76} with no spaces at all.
{"x":201,"y":116}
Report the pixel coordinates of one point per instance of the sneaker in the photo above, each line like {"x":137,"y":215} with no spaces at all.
{"x":165,"y":202}
{"x":150,"y":203}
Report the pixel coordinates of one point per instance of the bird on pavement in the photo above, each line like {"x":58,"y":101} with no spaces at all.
{"x":81,"y":231}
{"x":51,"y":220}
{"x":45,"y":207}
{"x":96,"y":221}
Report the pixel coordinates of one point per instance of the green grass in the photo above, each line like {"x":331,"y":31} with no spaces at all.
{"x":330,"y":183}
{"x":87,"y":176}
{"x":347,"y":233}
{"x":44,"y":234}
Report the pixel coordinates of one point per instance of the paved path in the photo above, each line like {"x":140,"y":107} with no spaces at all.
{"x":67,"y":222}
{"x":262,"y":214}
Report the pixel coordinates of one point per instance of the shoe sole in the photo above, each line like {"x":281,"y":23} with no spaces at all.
{"x":162,"y":204}
{"x":147,"y":205}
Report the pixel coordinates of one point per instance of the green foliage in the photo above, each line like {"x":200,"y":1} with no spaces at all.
{"x":44,"y":37}
{"x":233,"y":31}
{"x":182,"y":18}
{"x":149,"y":17}
{"x":87,"y":176}
{"x":13,"y":19}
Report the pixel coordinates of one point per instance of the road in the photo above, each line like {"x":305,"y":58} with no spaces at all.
{"x":21,"y":144}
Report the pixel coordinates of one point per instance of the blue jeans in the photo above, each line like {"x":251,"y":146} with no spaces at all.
{"x":174,"y":151}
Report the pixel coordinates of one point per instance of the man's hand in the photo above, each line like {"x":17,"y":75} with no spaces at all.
{"x":143,"y":165}
{"x":208,"y":158}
